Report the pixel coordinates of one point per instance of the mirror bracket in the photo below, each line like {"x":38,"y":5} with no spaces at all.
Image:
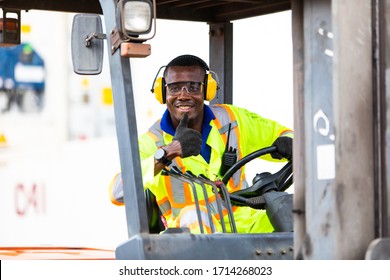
{"x":116,"y":40}
{"x":94,"y":35}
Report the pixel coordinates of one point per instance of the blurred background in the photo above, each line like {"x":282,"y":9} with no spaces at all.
{"x":58,"y":147}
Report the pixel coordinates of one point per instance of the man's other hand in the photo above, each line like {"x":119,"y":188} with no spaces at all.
{"x":284,"y":148}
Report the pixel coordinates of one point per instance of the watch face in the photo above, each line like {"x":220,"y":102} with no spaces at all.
{"x":160,"y":156}
{"x":160,"y":153}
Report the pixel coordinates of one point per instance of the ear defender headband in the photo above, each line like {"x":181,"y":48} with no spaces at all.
{"x":210,"y":84}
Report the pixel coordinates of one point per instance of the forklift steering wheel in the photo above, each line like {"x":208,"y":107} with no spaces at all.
{"x":283,"y":179}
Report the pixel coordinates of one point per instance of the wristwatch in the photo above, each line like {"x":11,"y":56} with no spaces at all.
{"x":161,"y":156}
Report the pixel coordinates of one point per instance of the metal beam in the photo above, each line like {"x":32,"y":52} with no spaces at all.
{"x":299,"y":125}
{"x":224,"y":246}
{"x":189,"y":10}
{"x":338,"y":130}
{"x":126,"y":127}
{"x":353,"y":189}
{"x":383,"y":99}
{"x":221,"y":60}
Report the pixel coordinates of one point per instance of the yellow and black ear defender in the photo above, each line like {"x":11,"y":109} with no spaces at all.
{"x":159,"y":89}
{"x":210,"y":84}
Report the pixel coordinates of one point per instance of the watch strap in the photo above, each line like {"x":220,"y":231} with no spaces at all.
{"x":164,"y":160}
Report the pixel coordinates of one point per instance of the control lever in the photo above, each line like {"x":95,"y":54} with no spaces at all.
{"x":220,"y":185}
{"x":202,"y":181}
{"x":191,"y":176}
{"x":176,"y":173}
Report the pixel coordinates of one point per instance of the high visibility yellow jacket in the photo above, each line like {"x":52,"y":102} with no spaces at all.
{"x":248,"y":132}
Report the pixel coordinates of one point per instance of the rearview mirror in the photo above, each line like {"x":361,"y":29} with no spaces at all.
{"x":87,"y":44}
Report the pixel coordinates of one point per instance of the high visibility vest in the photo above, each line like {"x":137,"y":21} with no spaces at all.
{"x":180,"y":194}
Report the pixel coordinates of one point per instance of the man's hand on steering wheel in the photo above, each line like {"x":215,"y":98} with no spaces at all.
{"x":284,"y":148}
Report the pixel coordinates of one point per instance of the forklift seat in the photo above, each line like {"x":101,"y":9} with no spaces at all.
{"x":154,"y":213}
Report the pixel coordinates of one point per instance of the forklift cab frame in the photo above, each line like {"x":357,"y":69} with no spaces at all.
{"x":341,"y":152}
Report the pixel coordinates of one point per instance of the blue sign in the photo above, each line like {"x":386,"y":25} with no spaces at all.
{"x":21,"y":67}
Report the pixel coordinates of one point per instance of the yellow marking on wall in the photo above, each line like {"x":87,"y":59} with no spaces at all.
{"x":25,"y":28}
{"x":3,"y":140}
{"x":85,"y":83}
{"x":107,"y":96}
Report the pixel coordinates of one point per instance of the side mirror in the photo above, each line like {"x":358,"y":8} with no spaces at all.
{"x":87,"y":44}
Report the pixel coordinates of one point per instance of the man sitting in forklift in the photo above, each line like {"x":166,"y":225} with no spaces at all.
{"x":203,"y":139}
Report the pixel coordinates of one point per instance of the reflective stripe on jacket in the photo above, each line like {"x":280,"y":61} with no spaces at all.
{"x":248,"y":133}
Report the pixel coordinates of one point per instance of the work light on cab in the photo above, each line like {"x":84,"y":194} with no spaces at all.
{"x":136,"y":18}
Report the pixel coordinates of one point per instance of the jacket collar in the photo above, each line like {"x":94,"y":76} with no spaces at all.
{"x":167,"y":126}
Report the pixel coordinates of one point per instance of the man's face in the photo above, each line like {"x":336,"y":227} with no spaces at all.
{"x":185,"y":93}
